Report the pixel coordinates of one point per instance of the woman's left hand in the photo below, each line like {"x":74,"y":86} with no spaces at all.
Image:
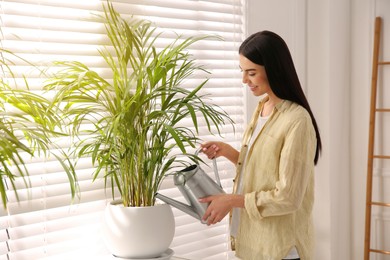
{"x":220,"y":206}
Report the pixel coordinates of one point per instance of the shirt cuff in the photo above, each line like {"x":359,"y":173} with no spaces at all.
{"x":251,"y":206}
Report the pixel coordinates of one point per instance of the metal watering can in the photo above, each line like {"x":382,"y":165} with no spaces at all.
{"x":194,"y":183}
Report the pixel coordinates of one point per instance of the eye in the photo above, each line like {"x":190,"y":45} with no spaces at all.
{"x":252,"y":74}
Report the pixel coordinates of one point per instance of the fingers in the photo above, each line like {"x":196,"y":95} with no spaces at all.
{"x":211,"y":218}
{"x":213,"y":214}
{"x":210,"y":149}
{"x":208,"y":215}
{"x":205,"y":199}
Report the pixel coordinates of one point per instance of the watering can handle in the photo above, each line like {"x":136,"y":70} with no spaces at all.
{"x":215,"y":168}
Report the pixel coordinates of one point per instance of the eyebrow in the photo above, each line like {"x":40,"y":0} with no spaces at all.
{"x":247,"y":70}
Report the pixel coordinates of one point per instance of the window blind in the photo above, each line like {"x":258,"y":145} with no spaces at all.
{"x":45,"y":224}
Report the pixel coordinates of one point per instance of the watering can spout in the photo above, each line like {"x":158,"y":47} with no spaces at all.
{"x":179,"y":205}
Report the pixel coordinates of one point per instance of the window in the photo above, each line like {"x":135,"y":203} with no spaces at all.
{"x":45,"y":223}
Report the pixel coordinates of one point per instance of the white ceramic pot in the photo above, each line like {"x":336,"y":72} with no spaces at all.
{"x":138,"y":232}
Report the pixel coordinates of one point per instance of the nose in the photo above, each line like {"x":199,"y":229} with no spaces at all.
{"x":244,"y":79}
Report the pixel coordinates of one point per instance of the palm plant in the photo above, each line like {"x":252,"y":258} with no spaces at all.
{"x":26,"y":127}
{"x":134,"y":118}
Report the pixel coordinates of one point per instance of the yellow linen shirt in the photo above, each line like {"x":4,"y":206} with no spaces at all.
{"x":278,"y":183}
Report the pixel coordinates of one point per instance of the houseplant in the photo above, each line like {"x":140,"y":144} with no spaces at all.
{"x":133,"y":119}
{"x":26,"y":127}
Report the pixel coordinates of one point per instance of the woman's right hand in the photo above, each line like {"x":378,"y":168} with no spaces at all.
{"x":215,"y":149}
{"x":212,"y":149}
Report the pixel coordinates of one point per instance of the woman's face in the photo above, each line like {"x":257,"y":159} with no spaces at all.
{"x":254,"y":76}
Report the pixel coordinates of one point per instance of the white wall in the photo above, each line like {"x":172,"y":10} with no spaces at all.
{"x":288,"y":19}
{"x":331,"y":43}
{"x":361,"y":38}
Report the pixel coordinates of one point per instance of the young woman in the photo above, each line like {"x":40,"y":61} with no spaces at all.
{"x":273,"y":192}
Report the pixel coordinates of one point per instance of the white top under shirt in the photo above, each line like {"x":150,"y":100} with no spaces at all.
{"x":293,"y":254}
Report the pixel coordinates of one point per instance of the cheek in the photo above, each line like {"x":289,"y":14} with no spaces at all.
{"x":264,"y":79}
{"x":261,"y":80}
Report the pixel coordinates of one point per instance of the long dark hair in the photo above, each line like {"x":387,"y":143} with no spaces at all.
{"x":268,"y":49}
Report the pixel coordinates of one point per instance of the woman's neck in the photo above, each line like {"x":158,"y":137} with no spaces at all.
{"x":269,"y":105}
